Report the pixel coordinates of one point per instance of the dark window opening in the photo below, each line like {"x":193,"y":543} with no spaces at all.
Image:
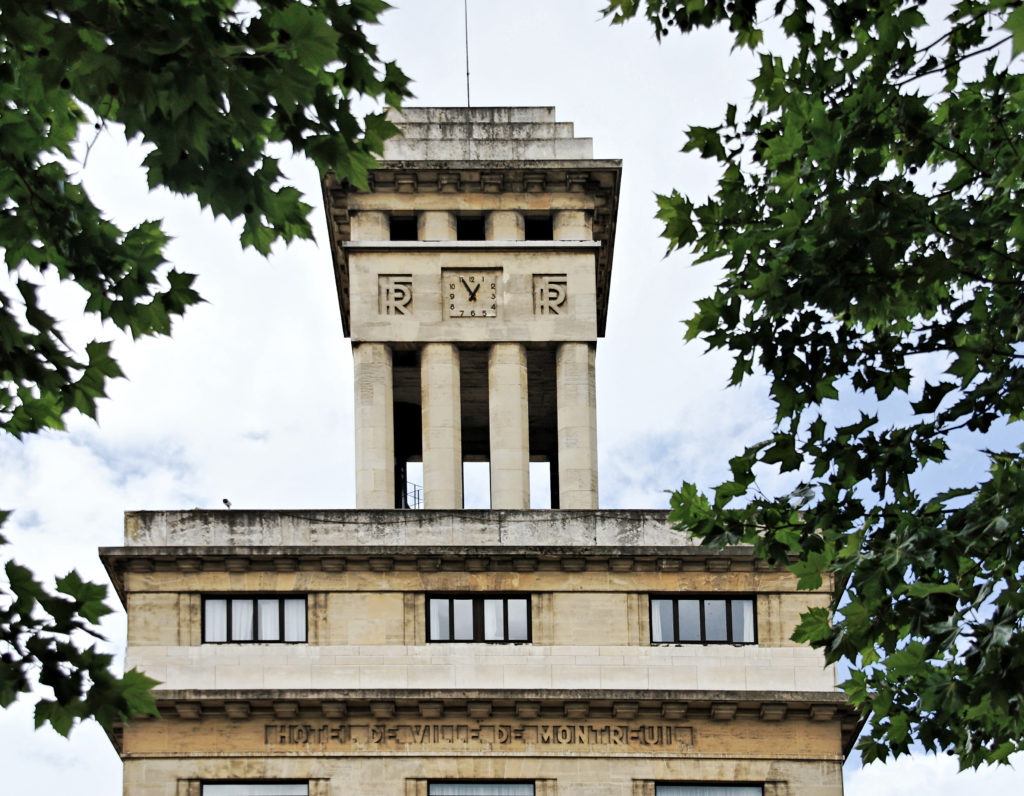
{"x":502,"y":620}
{"x":469,"y":228}
{"x":703,"y":620}
{"x":404,"y":228}
{"x":539,"y":228}
{"x":257,"y":619}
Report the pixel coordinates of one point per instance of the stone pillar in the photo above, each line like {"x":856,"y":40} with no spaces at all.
{"x":572,"y":225}
{"x":436,"y":225}
{"x":508,"y":411}
{"x":504,"y":225}
{"x":370,"y":225}
{"x":577,"y":426}
{"x":442,"y":426}
{"x":375,"y":431}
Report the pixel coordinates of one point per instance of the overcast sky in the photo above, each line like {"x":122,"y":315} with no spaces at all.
{"x":252,"y":398}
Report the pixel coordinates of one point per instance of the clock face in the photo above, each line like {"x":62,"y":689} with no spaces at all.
{"x":471,"y":293}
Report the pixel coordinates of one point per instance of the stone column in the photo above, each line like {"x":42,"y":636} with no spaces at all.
{"x":572,"y":225}
{"x":375,"y":431}
{"x":370,"y":225}
{"x":442,"y":426}
{"x":436,"y":225}
{"x":504,"y":225}
{"x":508,"y":411}
{"x":577,"y":426}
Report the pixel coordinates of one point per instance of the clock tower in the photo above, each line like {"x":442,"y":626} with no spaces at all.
{"x":473,"y":278}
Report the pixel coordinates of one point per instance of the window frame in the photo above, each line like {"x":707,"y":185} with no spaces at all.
{"x":702,"y":598}
{"x":691,"y":784}
{"x":478,"y":617}
{"x":246,"y":782}
{"x":255,"y":598}
{"x":499,"y":782}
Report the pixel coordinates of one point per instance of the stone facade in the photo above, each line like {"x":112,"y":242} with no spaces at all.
{"x":381,"y":687}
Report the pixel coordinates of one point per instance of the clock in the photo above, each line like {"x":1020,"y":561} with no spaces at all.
{"x":471,"y":292}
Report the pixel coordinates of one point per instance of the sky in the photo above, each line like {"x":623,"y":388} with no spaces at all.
{"x":251,"y":399}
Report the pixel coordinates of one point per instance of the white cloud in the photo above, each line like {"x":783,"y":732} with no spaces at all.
{"x":935,"y":775}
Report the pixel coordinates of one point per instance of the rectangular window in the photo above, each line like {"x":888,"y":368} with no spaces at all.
{"x":480,"y":789}
{"x":703,"y":620}
{"x":403,"y":227}
{"x":469,"y":228}
{"x":255,"y":789}
{"x":538,"y":228}
{"x":263,"y":619}
{"x":708,"y":790}
{"x":489,"y":618}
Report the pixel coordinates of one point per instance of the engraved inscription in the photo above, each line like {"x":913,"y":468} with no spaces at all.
{"x":666,"y":736}
{"x":549,"y":294}
{"x":395,"y":294}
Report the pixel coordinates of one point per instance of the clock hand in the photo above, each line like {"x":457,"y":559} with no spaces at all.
{"x":465,"y":284}
{"x":472,"y":293}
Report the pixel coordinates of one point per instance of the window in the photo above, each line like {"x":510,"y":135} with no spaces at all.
{"x":491,"y":618}
{"x":262,"y":618}
{"x":703,"y":620}
{"x":708,"y":790}
{"x":256,"y":789}
{"x":480,"y":789}
{"x":469,"y":227}
{"x":403,"y":228}
{"x":538,"y":228}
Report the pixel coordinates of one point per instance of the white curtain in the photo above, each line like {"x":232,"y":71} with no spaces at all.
{"x":256,"y":789}
{"x":480,"y":789}
{"x":708,"y":790}
{"x":494,"y":620}
{"x":439,"y":619}
{"x":661,"y":621}
{"x":241,"y":620}
{"x":743,"y":621}
{"x":215,"y":620}
{"x":294,"y":620}
{"x":269,"y":620}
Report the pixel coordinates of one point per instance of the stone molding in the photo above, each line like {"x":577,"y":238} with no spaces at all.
{"x":597,"y":178}
{"x":195,"y":559}
{"x":498,"y":704}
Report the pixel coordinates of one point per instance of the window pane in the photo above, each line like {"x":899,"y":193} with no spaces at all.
{"x":708,"y":790}
{"x":743,"y":621}
{"x":439,"y":619}
{"x":269,"y":623}
{"x":256,"y":789}
{"x":689,"y":620}
{"x":215,"y":620}
{"x":714,"y":621}
{"x":494,"y":620}
{"x":294,"y":620}
{"x":480,"y":789}
{"x":518,"y":620}
{"x":241,"y":620}
{"x":661,"y":621}
{"x":463,"y":619}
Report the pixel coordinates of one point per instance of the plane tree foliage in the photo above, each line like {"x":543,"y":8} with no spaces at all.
{"x":218,"y":91}
{"x":869,"y":223}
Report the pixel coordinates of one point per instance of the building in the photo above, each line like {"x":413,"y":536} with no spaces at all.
{"x":427,"y":651}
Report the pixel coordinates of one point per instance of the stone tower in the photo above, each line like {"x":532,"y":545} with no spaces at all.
{"x":438,"y":651}
{"x":473,"y":280}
